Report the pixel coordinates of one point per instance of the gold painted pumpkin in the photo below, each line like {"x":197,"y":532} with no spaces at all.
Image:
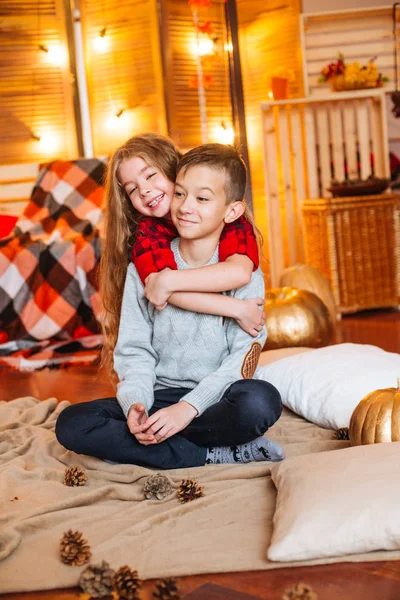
{"x":377,"y":418}
{"x":306,"y":277}
{"x":296,"y":318}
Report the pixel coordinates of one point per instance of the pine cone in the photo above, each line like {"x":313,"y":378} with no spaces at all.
{"x":167,"y":589}
{"x":157,"y":486}
{"x":74,"y":550}
{"x":96,"y":580}
{"x":342,"y":433}
{"x":301,"y":591}
{"x":127,"y":583}
{"x":74,"y":476}
{"x":189,"y":489}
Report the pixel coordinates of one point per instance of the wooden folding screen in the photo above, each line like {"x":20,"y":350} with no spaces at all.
{"x":36,"y":96}
{"x":124,"y":70}
{"x":179,"y":38}
{"x":269,"y":37}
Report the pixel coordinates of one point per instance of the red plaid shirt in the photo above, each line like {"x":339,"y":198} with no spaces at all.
{"x":152,"y":249}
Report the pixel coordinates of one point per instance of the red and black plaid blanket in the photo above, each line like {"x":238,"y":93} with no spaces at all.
{"x":48,"y":266}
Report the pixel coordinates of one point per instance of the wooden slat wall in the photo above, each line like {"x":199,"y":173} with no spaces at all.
{"x":359,"y":35}
{"x":183,"y":102}
{"x":127,"y":75}
{"x":269,"y":37}
{"x":16,"y":184}
{"x":35,"y":96}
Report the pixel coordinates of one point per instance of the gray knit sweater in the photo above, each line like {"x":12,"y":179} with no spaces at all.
{"x":176,"y":348}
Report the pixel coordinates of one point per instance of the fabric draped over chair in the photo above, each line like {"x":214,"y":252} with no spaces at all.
{"x":48,"y":265}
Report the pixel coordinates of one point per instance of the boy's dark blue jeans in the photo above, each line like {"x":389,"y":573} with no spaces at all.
{"x":98,"y":428}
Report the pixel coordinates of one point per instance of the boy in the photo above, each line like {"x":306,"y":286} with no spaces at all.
{"x":185,"y":396}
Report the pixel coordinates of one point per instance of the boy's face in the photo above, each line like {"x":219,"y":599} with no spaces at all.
{"x":147,"y":188}
{"x":199,"y":206}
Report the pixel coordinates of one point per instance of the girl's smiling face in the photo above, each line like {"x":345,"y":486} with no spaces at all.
{"x":148,"y":189}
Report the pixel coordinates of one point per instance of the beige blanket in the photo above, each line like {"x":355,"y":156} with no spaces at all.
{"x":227,"y":530}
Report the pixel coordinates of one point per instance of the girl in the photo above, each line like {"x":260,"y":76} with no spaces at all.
{"x":139,"y":189}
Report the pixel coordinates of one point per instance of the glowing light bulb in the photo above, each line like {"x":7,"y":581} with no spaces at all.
{"x":101,"y":42}
{"x":224,"y":134}
{"x":54,"y":54}
{"x":48,"y":142}
{"x":112,"y":122}
{"x":270,"y":95}
{"x":228,"y":47}
{"x":204,"y":47}
{"x":117,"y":121}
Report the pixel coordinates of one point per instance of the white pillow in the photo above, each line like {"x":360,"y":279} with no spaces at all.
{"x":325,"y":385}
{"x":270,"y":356}
{"x":336,"y":503}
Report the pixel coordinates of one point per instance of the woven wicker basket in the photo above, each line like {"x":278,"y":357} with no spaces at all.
{"x":355,"y":243}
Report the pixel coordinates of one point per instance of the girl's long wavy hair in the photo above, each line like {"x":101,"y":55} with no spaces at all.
{"x":120,"y":225}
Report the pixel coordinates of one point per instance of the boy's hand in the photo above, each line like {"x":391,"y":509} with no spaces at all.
{"x":166,"y":422}
{"x":250,"y":317}
{"x":157,"y":289}
{"x":137,"y":423}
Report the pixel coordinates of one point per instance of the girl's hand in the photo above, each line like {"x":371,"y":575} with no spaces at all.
{"x":157,"y":290}
{"x":166,"y":422}
{"x":137,"y":423}
{"x":251,"y":316}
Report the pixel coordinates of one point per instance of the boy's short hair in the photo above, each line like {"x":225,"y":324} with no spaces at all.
{"x":222,"y":158}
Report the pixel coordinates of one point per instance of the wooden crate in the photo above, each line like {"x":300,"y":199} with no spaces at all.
{"x":355,"y":243}
{"x":308,"y":142}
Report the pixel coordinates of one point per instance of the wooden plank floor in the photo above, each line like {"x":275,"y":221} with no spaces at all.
{"x":347,"y":581}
